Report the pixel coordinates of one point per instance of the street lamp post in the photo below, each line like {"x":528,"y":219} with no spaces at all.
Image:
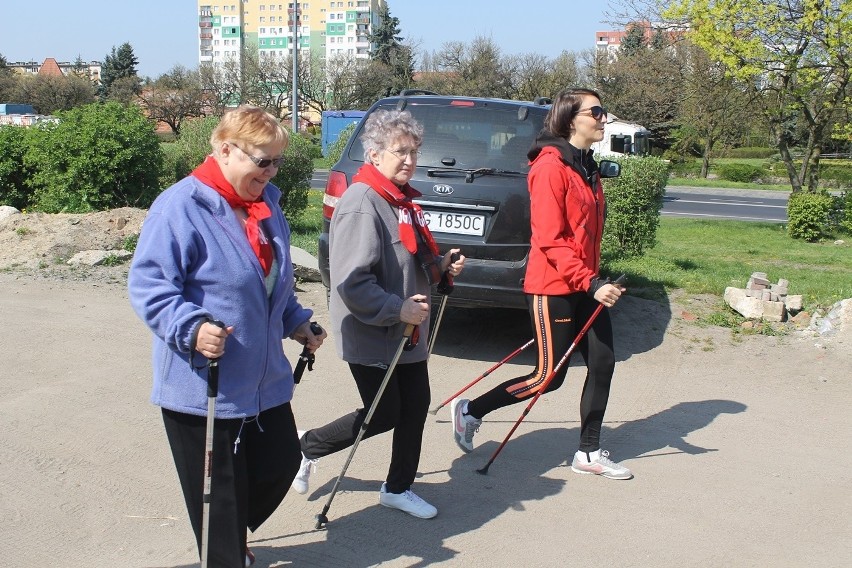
{"x":295,"y":66}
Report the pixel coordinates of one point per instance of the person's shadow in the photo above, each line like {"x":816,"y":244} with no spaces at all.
{"x":468,"y":501}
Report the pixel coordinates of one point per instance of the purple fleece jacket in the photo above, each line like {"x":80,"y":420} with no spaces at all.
{"x":193,"y":261}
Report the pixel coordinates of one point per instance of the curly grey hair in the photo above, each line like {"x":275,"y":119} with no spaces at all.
{"x":384,"y":126}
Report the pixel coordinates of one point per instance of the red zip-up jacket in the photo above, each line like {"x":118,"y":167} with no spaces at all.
{"x":567,"y":219}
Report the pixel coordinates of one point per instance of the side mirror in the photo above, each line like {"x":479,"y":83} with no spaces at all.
{"x":609,"y":169}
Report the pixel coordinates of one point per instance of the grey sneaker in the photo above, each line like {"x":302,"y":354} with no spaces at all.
{"x":601,"y":466}
{"x":464,"y":427}
{"x":408,"y":502}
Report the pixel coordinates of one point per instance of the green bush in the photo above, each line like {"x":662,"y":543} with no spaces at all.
{"x":836,"y":171}
{"x":745,"y":173}
{"x":294,"y":177}
{"x":97,"y":157}
{"x":634,"y":200}
{"x":748,"y":152}
{"x":13,"y":172}
{"x":845,"y":211}
{"x":173,"y":164}
{"x":809,"y":215}
{"x":684,"y":167}
{"x":335,"y":150}
{"x":193,"y":145}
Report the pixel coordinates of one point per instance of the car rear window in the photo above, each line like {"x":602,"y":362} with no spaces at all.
{"x":472,"y":136}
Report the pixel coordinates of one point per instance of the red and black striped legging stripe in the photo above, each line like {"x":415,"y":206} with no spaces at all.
{"x":556,"y":321}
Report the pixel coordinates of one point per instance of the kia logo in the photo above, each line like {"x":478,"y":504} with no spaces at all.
{"x":442,"y":189}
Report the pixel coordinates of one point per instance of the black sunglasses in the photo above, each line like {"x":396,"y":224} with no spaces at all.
{"x":262,"y":163}
{"x":595,"y":111}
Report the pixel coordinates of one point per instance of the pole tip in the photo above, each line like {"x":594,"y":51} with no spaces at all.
{"x":321,"y":520}
{"x":483,"y":470}
{"x":434,"y":411}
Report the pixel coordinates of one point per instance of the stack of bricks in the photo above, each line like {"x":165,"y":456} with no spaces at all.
{"x":763,"y":300}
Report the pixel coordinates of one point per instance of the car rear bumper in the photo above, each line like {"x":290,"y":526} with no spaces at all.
{"x":483,"y":283}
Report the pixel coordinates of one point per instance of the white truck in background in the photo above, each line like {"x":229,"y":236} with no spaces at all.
{"x":623,"y":138}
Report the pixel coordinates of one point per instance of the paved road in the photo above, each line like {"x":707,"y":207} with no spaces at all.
{"x":699,"y":203}
{"x":742,"y":205}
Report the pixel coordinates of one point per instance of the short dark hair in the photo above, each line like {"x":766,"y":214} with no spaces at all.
{"x":564,"y":108}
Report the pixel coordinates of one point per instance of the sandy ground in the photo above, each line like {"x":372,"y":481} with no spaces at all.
{"x":742,"y":449}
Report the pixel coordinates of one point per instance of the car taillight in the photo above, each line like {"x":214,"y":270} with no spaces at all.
{"x":334,"y":188}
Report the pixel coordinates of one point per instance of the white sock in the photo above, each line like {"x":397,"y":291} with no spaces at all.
{"x":588,"y":457}
{"x":464,"y":409}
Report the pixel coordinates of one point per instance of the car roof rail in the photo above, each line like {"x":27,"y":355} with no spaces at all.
{"x":410,"y":92}
{"x":542,"y":101}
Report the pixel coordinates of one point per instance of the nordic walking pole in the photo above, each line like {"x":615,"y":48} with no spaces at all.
{"x":483,"y":375}
{"x":546,"y":383}
{"x":406,"y":335}
{"x":212,"y":392}
{"x":306,"y":357}
{"x":445,"y":287}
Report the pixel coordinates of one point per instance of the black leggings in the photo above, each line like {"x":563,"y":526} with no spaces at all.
{"x":402,"y":408}
{"x":254,"y":462}
{"x":557,"y":320}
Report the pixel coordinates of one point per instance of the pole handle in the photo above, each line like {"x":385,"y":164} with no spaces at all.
{"x":306,"y":358}
{"x":213,"y":369}
{"x":445,"y":286}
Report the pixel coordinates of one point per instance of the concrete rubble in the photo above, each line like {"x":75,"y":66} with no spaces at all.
{"x":761,"y":299}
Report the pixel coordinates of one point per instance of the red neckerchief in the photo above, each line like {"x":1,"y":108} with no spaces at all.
{"x":210,"y":174}
{"x":402,"y":198}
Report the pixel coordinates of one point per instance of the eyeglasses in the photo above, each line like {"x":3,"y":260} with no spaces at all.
{"x":404,"y":153}
{"x":262,"y":163}
{"x":595,"y":112}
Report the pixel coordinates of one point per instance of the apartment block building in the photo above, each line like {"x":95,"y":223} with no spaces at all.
{"x":325,"y":27}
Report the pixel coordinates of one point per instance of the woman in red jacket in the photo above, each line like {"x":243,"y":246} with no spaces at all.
{"x":563,"y":282}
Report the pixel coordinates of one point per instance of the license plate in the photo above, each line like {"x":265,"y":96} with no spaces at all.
{"x":455,"y":223}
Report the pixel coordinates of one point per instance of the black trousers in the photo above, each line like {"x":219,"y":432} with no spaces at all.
{"x":402,"y":408}
{"x":556,"y":321}
{"x":254,"y":462}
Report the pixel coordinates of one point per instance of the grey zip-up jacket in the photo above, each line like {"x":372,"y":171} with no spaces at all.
{"x":371,"y":273}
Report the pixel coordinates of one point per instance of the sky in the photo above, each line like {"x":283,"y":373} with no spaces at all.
{"x":163,"y":34}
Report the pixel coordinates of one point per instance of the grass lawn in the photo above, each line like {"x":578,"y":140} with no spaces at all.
{"x":704,"y":257}
{"x":306,"y":229}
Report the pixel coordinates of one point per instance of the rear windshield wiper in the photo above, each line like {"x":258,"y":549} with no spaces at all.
{"x":470,"y":174}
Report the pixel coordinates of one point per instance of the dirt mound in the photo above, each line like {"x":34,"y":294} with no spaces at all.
{"x":43,"y":240}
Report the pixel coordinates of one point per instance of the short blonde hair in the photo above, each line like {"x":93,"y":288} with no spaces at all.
{"x":249,"y":124}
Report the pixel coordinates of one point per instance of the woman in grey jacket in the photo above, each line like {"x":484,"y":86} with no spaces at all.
{"x":383,"y":261}
{"x":216,"y":246}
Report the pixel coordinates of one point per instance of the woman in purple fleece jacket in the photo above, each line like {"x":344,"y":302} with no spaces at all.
{"x":216,"y":246}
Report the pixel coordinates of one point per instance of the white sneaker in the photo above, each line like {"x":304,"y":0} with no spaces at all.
{"x":300,"y":482}
{"x":408,"y":502}
{"x":600,"y":466}
{"x":464,"y":426}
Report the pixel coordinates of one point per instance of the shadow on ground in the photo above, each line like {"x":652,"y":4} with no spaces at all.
{"x":375,"y":535}
{"x":491,"y":334}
